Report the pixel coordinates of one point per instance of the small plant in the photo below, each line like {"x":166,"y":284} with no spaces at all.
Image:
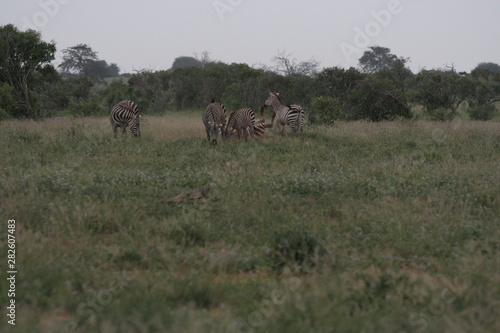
{"x":295,"y":249}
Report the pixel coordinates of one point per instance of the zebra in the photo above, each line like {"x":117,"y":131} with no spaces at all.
{"x":260,"y":127}
{"x":292,"y":115}
{"x":241,"y":120}
{"x":214,"y":119}
{"x":123,"y":114}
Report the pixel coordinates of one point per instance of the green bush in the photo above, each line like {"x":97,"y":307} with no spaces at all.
{"x":325,"y":110}
{"x":4,"y":114}
{"x":85,"y":108}
{"x":483,"y":112}
{"x":440,"y":114}
{"x":6,"y":101}
{"x":296,"y":249}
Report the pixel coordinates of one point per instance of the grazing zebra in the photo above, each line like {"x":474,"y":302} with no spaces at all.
{"x":214,"y":119}
{"x":123,"y":114}
{"x":241,"y":120}
{"x":292,"y":115}
{"x":260,"y":127}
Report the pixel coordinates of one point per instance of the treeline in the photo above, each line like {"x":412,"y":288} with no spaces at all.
{"x":383,"y":88}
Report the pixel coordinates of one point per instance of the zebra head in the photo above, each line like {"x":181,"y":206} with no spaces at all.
{"x":134,"y":125}
{"x":273,"y":99}
{"x":214,"y":130}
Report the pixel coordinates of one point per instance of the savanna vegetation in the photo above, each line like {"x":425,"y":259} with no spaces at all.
{"x":382,"y":88}
{"x":362,"y":226}
{"x":384,"y":218}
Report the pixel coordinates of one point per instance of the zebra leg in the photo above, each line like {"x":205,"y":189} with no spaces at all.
{"x":282,"y":129}
{"x":252,"y":134}
{"x":114,"y":127}
{"x":301,"y":126}
{"x":245,"y":132}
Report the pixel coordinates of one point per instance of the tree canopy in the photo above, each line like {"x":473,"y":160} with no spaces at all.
{"x":81,"y":60}
{"x":381,"y":88}
{"x":23,"y":56}
{"x":376,"y":59}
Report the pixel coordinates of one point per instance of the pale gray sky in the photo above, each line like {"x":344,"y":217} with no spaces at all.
{"x":138,"y":34}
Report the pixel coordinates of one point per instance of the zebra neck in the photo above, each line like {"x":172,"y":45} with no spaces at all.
{"x":277,"y":106}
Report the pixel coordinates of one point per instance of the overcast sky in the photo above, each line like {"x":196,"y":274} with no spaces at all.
{"x":152,"y":33}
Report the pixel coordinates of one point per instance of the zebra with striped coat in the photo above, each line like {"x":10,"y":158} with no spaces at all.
{"x":240,"y":120}
{"x":214,"y":119}
{"x":260,"y":127}
{"x":123,"y":114}
{"x":291,"y":115}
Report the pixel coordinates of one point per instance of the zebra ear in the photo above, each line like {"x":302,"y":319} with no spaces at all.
{"x":278,"y":94}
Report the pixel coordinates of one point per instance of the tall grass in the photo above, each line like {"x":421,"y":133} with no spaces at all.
{"x":360,"y":227}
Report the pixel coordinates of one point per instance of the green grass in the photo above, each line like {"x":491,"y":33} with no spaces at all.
{"x":360,"y":227}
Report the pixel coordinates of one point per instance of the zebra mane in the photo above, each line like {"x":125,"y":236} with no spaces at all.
{"x":278,"y":95}
{"x":129,"y":105}
{"x":220,"y":105}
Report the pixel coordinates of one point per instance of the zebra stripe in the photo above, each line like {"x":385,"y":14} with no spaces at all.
{"x":214,"y":119}
{"x":260,"y":127}
{"x":292,"y":115}
{"x":123,"y":114}
{"x":240,"y":120}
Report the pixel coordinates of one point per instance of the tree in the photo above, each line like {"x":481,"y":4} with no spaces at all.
{"x":22,"y":56}
{"x":184,"y":62}
{"x":377,"y":59}
{"x":335,"y":85}
{"x":350,"y":94}
{"x":338,"y":82}
{"x":325,"y":110}
{"x":439,"y":90}
{"x":6,"y":100}
{"x":204,"y":58}
{"x":286,"y":65}
{"x":487,"y":86}
{"x":379,"y":98}
{"x":76,"y":58}
{"x":489,"y":66}
{"x":81,"y":60}
{"x":97,"y":70}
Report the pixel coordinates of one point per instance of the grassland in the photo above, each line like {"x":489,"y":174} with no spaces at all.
{"x":360,"y":227}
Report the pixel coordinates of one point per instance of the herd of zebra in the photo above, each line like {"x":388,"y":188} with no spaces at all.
{"x":126,"y":114}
